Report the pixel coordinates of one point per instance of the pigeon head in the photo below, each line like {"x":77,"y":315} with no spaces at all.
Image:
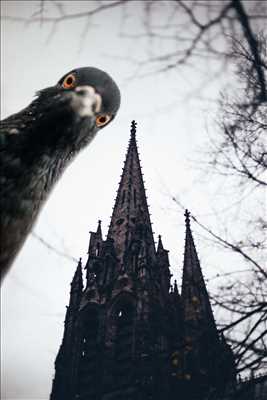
{"x":69,"y":114}
{"x":101,"y":82}
{"x":39,"y":142}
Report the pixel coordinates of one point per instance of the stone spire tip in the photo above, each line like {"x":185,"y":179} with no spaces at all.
{"x":133,"y":128}
{"x":160,"y":245}
{"x":187,"y":218}
{"x":77,"y":277}
{"x":99,"y":230}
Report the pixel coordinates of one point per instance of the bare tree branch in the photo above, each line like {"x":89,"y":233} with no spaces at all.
{"x":52,"y":248}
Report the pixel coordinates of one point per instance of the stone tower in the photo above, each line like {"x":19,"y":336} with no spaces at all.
{"x":128,"y":333}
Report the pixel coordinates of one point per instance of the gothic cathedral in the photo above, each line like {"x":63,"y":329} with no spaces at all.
{"x":129,"y":334}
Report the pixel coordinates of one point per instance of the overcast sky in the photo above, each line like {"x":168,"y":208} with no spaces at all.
{"x":172,"y":123}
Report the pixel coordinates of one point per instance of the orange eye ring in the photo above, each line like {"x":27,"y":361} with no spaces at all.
{"x":102,"y":119}
{"x":69,"y":82}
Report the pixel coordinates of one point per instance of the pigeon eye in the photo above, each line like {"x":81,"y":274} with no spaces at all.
{"x":102,"y":120}
{"x":69,"y":81}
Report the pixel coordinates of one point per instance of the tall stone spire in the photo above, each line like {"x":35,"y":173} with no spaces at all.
{"x":206,"y":361}
{"x":130,"y":218}
{"x":195,"y":297}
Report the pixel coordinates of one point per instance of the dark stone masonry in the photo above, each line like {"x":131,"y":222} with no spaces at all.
{"x":129,"y":334}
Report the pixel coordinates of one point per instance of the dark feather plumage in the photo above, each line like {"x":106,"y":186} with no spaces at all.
{"x":38,"y":143}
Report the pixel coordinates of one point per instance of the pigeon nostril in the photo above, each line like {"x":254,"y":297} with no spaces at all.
{"x":82,"y":92}
{"x":85,"y":91}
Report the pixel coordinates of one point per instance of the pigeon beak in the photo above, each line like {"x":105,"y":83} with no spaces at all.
{"x":85,"y":101}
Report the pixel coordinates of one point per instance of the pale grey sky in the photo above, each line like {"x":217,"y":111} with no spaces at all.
{"x":172,"y":122}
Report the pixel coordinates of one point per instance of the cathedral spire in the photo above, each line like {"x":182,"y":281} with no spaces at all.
{"x":130,"y":218}
{"x":195,"y":297}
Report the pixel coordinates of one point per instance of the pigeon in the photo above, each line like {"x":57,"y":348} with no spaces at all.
{"x":39,"y":142}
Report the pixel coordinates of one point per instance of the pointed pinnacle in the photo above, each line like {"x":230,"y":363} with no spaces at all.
{"x":77,"y":277}
{"x":160,"y":245}
{"x":99,"y":227}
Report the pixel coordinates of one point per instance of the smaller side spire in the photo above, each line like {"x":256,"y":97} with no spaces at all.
{"x":77,"y":281}
{"x":162,"y":254}
{"x":76,"y":291}
{"x":194,"y":292}
{"x":192,"y":274}
{"x":62,"y":379}
{"x":199,"y":327}
{"x":195,"y":297}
